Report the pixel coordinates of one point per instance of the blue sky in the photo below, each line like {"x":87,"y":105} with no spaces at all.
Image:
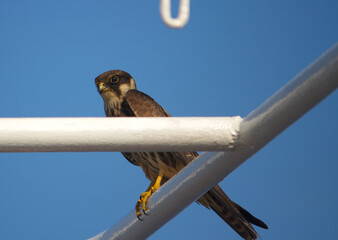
{"x":230,"y":57}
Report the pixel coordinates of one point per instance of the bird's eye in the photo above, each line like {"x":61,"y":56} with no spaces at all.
{"x":114,"y":79}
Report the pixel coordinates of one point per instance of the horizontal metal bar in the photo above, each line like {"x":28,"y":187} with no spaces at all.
{"x":118,"y":134}
{"x":262,"y":125}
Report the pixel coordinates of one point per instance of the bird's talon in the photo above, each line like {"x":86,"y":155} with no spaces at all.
{"x":138,"y":210}
{"x":139,"y":218}
{"x":142,"y":202}
{"x":146,"y":212}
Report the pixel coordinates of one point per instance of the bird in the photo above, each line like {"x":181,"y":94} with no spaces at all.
{"x":121,"y":99}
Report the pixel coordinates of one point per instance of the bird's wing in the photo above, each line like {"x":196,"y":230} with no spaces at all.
{"x":142,"y":105}
{"x":139,"y":104}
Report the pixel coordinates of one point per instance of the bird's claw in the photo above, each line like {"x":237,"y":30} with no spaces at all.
{"x":154,"y":186}
{"x":138,"y":212}
{"x":143,"y":202}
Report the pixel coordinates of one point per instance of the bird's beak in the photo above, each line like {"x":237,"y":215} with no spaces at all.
{"x":102,"y":87}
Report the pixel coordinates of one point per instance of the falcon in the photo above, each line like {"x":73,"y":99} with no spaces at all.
{"x":122,"y":99}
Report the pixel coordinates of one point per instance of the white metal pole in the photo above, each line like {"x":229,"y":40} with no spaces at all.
{"x":118,"y":134}
{"x":262,"y":125}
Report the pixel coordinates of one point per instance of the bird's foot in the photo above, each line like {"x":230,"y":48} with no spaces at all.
{"x":142,"y":202}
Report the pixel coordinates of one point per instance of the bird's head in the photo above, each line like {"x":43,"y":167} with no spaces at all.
{"x":113,"y":86}
{"x":115,"y":82}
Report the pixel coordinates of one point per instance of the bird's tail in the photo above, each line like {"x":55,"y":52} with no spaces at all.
{"x":237,"y":217}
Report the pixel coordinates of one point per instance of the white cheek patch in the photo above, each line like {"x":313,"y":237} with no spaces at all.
{"x":124,"y":88}
{"x":132,"y":83}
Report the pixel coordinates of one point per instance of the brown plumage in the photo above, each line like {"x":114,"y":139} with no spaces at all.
{"x":118,"y":90}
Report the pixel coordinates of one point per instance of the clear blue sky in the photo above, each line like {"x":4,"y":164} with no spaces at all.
{"x":230,"y":57}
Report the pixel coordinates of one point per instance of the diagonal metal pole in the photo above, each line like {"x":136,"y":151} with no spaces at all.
{"x":257,"y":129}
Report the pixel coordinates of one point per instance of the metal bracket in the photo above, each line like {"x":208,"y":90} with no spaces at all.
{"x":183,"y":13}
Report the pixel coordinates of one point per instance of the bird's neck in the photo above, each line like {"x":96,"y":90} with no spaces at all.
{"x":112,"y":105}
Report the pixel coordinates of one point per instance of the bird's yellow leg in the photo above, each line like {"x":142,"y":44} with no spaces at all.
{"x":139,"y":202}
{"x":154,"y":185}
